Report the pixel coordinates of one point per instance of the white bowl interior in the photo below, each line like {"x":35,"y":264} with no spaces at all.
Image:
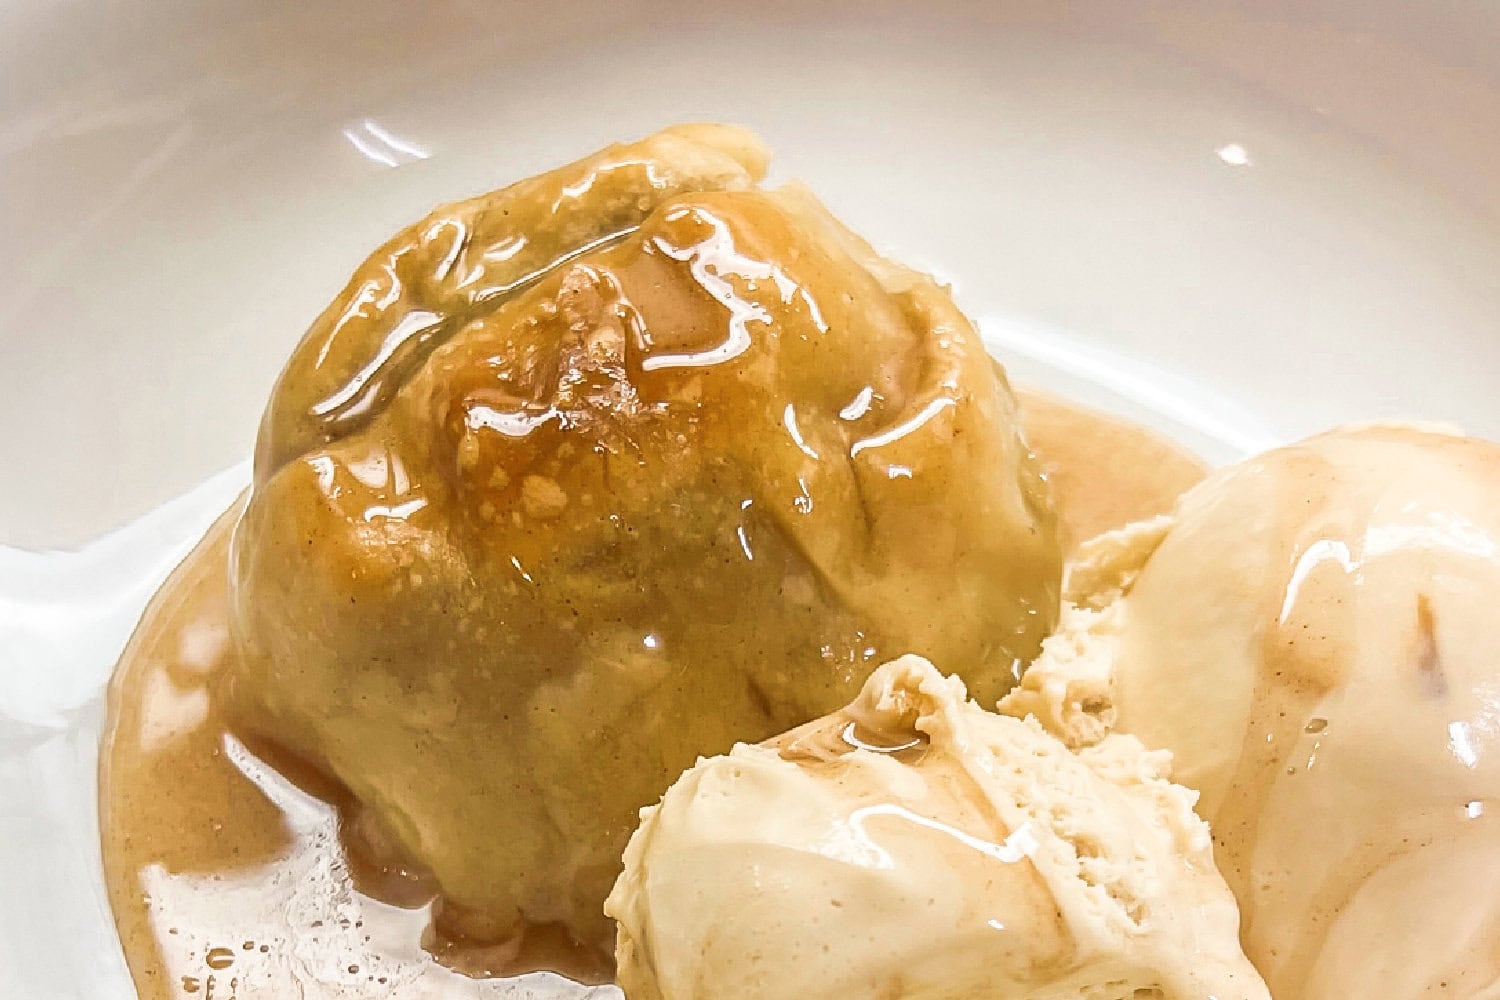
{"x":1239,"y":222}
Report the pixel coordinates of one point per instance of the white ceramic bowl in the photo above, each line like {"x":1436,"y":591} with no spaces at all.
{"x":1239,"y":221}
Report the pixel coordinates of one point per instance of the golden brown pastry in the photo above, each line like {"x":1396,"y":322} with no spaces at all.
{"x":587,"y":477}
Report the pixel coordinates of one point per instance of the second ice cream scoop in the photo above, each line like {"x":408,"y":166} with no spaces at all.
{"x":917,"y":847}
{"x":1315,"y":638}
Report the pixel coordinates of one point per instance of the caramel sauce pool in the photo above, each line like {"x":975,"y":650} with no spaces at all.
{"x":229,"y":874}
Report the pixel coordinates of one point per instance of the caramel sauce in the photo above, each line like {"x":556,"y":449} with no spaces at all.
{"x":231,"y":874}
{"x":1105,"y":472}
{"x":234,"y":874}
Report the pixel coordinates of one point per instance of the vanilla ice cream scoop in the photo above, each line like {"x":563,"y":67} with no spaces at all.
{"x":1317,"y":640}
{"x":916,"y":846}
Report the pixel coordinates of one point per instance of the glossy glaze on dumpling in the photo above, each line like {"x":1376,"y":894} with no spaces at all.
{"x":596,"y":474}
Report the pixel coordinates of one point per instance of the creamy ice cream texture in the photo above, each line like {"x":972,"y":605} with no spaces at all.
{"x":917,"y":846}
{"x":1316,"y":638}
